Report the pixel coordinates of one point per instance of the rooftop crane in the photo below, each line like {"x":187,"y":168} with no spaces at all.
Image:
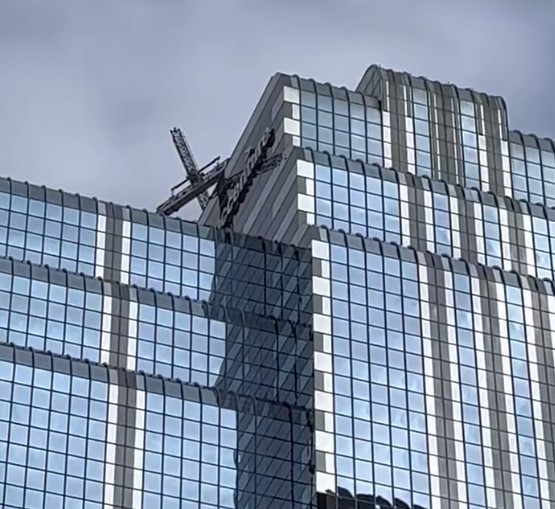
{"x":192,"y":191}
{"x":191,"y":168}
{"x":198,"y":181}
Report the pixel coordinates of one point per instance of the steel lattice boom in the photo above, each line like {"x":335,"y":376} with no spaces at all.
{"x":198,"y":181}
{"x":192,"y":191}
{"x":191,"y":168}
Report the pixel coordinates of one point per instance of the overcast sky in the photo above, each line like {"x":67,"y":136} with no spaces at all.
{"x":90,"y":88}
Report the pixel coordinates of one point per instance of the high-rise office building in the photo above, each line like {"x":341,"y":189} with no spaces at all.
{"x":368,"y":323}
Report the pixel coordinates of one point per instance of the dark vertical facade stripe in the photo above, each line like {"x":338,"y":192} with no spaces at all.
{"x":520,"y":242}
{"x":435,"y":143}
{"x":468,"y":231}
{"x":442,"y":392}
{"x":447,"y":139}
{"x":451,"y":154}
{"x":546,"y":377}
{"x":447,"y":170}
{"x":119,"y":339}
{"x":514,"y":223}
{"x":458,"y":142}
{"x":412,"y":196}
{"x":420,"y":226}
{"x":493,"y":144}
{"x":538,"y":302}
{"x":447,"y":393}
{"x":397,"y":114}
{"x":496,"y":404}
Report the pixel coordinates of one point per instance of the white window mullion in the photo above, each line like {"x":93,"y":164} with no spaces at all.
{"x":405,"y":222}
{"x":307,"y":202}
{"x":429,"y":390}
{"x":480,"y":237}
{"x":505,"y":239}
{"x":386,"y":129}
{"x":139,"y":446}
{"x":456,"y":146}
{"x":125,"y":251}
{"x":132,"y":336}
{"x":535,"y":395}
{"x":409,"y":129}
{"x":481,"y":367}
{"x":111,"y":443}
{"x":100,"y":249}
{"x":436,"y":153}
{"x":506,"y":166}
{"x":106,"y":332}
{"x":455,"y":227}
{"x":455,"y":391}
{"x":482,"y":152}
{"x":507,"y":377}
{"x":529,"y":245}
{"x":429,"y":213}
{"x":323,"y":363}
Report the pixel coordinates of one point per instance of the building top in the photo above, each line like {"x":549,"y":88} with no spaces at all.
{"x":374,"y":79}
{"x":412,"y":124}
{"x":377,"y":81}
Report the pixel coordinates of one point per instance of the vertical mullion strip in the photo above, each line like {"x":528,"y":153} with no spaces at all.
{"x":100,"y":249}
{"x":409,"y":131}
{"x":455,"y":227}
{"x":458,"y":165}
{"x":507,"y":377}
{"x":132,"y":335}
{"x":323,"y":362}
{"x":455,"y":391}
{"x":106,"y":332}
{"x":429,"y":391}
{"x":125,"y":251}
{"x":111,"y":444}
{"x":551,"y":307}
{"x":482,"y":150}
{"x":429,"y":212}
{"x":139,"y":446}
{"x":405,"y":214}
{"x":386,"y":136}
{"x":480,"y":237}
{"x":505,"y":239}
{"x":9,"y":420}
{"x":530,"y":258}
{"x":485,"y":423}
{"x":505,"y":161}
{"x":535,"y":394}
{"x":433,"y":109}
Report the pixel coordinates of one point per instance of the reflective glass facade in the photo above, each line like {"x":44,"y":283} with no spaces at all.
{"x":428,"y":129}
{"x":169,"y":307}
{"x":430,"y":215}
{"x":61,"y":440}
{"x":134,"y":247}
{"x":435,"y":379}
{"x":374,"y":331}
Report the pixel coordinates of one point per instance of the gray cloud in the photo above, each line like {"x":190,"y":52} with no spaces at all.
{"x":89,"y":90}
